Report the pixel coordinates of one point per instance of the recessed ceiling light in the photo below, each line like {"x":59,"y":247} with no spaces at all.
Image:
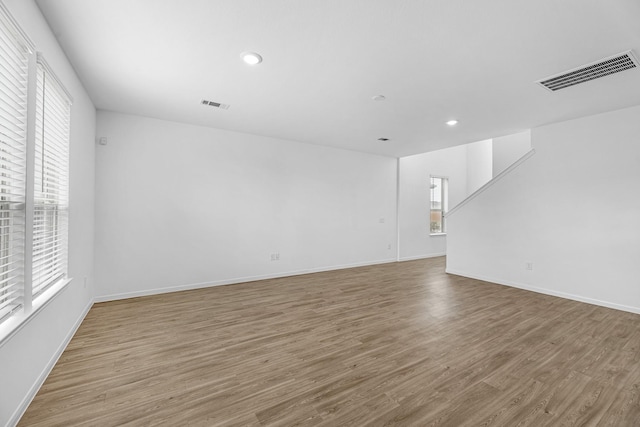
{"x":452,"y":122}
{"x":251,"y":58}
{"x":379,"y":97}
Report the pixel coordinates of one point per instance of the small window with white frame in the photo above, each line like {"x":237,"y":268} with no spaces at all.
{"x":438,"y":204}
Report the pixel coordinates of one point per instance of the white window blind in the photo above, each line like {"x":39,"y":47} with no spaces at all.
{"x":51,"y":181}
{"x":13,"y":129}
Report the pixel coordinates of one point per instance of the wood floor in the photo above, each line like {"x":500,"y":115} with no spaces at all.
{"x":394,"y":344}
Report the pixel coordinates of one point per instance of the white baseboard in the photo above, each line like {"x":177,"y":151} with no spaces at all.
{"x":19,"y":412}
{"x":551,"y":292}
{"x":176,"y":288}
{"x":424,"y":256}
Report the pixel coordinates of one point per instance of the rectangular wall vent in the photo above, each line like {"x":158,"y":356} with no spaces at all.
{"x":215,"y":104}
{"x":595,"y":70}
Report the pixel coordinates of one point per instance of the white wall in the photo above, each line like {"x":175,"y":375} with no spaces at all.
{"x":183,"y":206}
{"x":572,"y":209}
{"x":508,"y":149}
{"x":479,"y":164}
{"x":28,"y":355}
{"x":414,"y":207}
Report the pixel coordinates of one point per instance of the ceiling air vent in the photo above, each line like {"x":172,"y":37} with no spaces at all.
{"x":215,"y":104}
{"x":595,"y":70}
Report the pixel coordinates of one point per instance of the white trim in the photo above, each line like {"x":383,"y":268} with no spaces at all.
{"x":495,"y":179}
{"x":17,"y":28}
{"x":444,"y":203}
{"x":15,"y":323}
{"x":40,"y":60}
{"x":424,"y":256}
{"x":233,"y":281}
{"x":545,"y":291}
{"x":30,"y":156}
{"x":26,"y":401}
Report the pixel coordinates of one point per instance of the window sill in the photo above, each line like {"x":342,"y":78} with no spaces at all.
{"x":12,"y":325}
{"x":437,"y":234}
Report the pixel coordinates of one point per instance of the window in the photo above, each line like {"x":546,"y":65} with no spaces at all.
{"x":13,"y":140}
{"x":51,"y":171}
{"x":439,"y":202}
{"x":35,"y":113}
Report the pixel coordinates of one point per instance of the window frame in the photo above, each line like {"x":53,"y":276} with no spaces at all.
{"x":444,"y":204}
{"x":14,"y":136}
{"x":11,"y":32}
{"x":50,"y":181}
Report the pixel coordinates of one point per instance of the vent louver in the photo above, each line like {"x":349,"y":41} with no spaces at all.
{"x":595,"y":70}
{"x":215,"y":104}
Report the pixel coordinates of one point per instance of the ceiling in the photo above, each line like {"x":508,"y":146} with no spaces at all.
{"x":324,"y":60}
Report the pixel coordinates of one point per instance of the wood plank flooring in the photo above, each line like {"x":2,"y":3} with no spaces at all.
{"x":394,"y":344}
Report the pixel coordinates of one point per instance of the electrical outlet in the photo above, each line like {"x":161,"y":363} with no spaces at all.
{"x":381,"y":220}
{"x":275,"y":257}
{"x":528,"y":266}
{"x":389,"y":246}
